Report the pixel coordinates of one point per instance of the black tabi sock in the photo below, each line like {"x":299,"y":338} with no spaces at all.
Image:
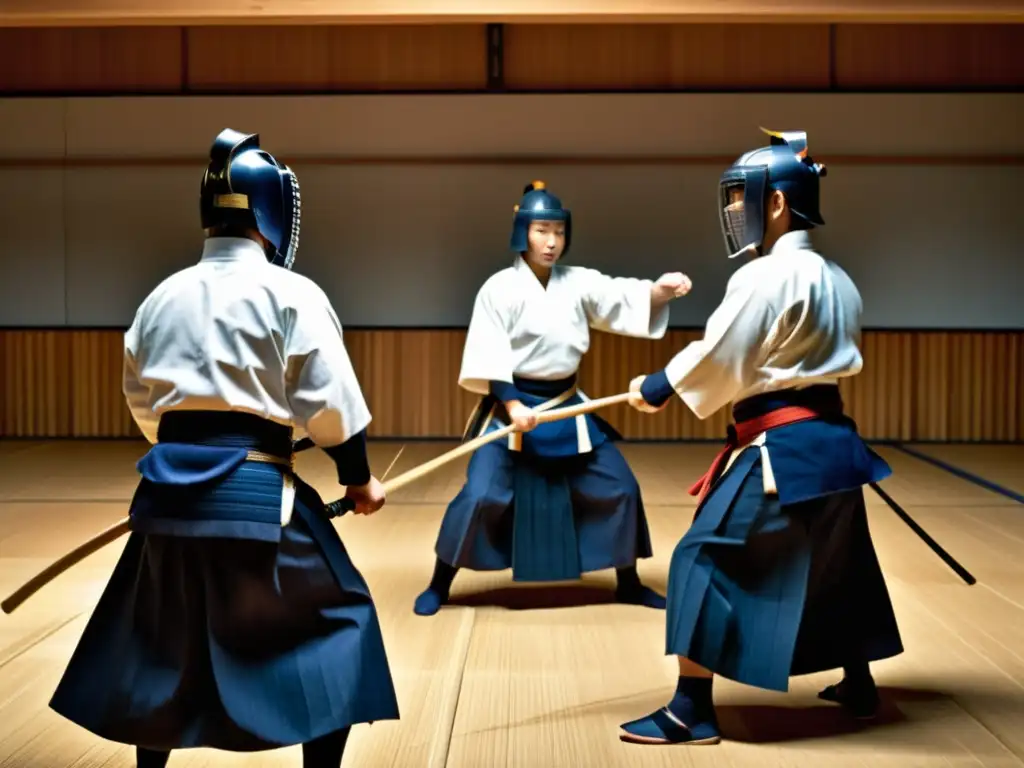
{"x":693,"y":702}
{"x":325,"y":752}
{"x":628,"y":578}
{"x":149,"y":758}
{"x":444,"y":575}
{"x":856,"y":692}
{"x":858,"y":675}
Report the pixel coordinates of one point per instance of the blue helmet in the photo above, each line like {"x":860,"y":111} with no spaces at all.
{"x":785,"y":166}
{"x":538,"y":205}
{"x":245,"y":187}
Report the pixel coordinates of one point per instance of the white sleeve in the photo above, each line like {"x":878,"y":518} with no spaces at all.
{"x":321,"y":385}
{"x":621,"y":305}
{"x":136,"y":393}
{"x":708,"y":374}
{"x":487,"y":355}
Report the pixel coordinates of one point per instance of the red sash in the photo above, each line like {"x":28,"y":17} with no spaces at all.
{"x":742,"y":433}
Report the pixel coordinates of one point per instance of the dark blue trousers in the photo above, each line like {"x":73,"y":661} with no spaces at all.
{"x":760,"y":590}
{"x":601,"y":501}
{"x":231,"y":643}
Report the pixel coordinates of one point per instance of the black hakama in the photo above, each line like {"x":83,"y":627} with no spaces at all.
{"x":220,"y":627}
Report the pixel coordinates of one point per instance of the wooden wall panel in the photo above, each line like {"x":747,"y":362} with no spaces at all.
{"x":695,"y":57}
{"x":938,"y":386}
{"x":788,"y":57}
{"x":37,"y":384}
{"x":97,"y":405}
{"x":249,"y":59}
{"x":439,"y":57}
{"x":929,"y":57}
{"x":407,"y":378}
{"x":581,"y":57}
{"x":99,"y":59}
{"x":587,"y":56}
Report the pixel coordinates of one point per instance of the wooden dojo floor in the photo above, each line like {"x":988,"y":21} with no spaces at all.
{"x":541,"y":677}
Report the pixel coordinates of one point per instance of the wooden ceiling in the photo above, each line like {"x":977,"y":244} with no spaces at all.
{"x":66,"y":13}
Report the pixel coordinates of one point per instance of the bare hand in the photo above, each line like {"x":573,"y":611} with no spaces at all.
{"x":672,"y":285}
{"x":522,"y":417}
{"x":637,"y":400}
{"x":368,"y":498}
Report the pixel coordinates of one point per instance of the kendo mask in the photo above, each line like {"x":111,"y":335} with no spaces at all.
{"x":246,"y":187}
{"x":538,"y":205}
{"x":785,"y":166}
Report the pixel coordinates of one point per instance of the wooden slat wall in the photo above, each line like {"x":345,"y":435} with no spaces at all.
{"x":537,"y":57}
{"x":957,"y":386}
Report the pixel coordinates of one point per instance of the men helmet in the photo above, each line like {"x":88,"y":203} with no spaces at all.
{"x":245,"y":187}
{"x":538,"y":205}
{"x":785,"y":166}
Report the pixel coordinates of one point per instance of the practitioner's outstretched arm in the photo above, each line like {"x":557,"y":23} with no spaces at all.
{"x":630,"y":306}
{"x":710,"y":372}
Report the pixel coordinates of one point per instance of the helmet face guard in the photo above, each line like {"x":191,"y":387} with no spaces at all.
{"x":246,"y":187}
{"x":782,"y":166}
{"x":742,"y":220}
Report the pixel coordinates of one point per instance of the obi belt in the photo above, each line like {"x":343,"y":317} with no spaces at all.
{"x":216,"y":474}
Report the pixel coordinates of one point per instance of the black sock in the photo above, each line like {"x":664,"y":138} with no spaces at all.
{"x":149,"y":758}
{"x":325,"y":752}
{"x":693,"y":702}
{"x":628,"y":578}
{"x":444,"y":574}
{"x":858,"y":675}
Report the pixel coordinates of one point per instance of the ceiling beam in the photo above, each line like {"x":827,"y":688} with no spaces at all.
{"x":65,"y":13}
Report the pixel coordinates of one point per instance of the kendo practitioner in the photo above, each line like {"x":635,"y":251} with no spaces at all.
{"x":235,"y":618}
{"x":556,"y":500}
{"x":777,"y":576}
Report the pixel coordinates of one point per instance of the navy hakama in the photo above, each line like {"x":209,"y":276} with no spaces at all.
{"x":224,"y":624}
{"x":777,"y":576}
{"x":781,"y":578}
{"x":551,"y":504}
